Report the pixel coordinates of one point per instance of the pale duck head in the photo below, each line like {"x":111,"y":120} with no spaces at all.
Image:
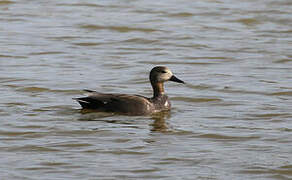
{"x":160,"y":74}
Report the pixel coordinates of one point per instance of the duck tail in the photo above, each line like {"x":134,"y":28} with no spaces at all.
{"x":82,"y":101}
{"x":89,"y":103}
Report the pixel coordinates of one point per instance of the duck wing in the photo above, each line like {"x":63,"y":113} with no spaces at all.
{"x":122,"y":103}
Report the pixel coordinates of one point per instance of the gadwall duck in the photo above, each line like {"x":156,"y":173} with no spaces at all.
{"x":133,"y":104}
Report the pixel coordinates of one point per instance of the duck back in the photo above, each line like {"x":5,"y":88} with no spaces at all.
{"x":120,"y":103}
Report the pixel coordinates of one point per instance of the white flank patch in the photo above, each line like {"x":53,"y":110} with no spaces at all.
{"x":166,"y":104}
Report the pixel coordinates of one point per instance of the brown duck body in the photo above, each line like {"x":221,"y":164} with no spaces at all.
{"x":133,"y":104}
{"x":125,"y":103}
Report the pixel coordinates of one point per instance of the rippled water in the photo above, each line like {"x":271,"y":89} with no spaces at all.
{"x":231,"y":121}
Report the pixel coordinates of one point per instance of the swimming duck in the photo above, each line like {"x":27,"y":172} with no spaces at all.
{"x":133,"y":104}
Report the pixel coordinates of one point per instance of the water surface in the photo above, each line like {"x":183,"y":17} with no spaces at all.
{"x":230,"y":121}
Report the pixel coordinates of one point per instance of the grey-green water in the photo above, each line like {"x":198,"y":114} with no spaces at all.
{"x":231,"y":121}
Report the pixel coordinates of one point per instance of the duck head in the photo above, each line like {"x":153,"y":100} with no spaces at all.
{"x":160,"y":74}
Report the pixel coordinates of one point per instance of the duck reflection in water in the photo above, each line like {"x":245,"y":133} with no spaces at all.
{"x":160,"y":124}
{"x":133,"y":104}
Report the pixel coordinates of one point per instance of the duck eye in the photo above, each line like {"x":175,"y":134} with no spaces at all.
{"x":163,"y":71}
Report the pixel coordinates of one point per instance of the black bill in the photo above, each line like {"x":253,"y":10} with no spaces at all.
{"x":175,"y":79}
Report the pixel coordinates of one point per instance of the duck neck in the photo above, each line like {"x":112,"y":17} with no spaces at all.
{"x":158,"y":89}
